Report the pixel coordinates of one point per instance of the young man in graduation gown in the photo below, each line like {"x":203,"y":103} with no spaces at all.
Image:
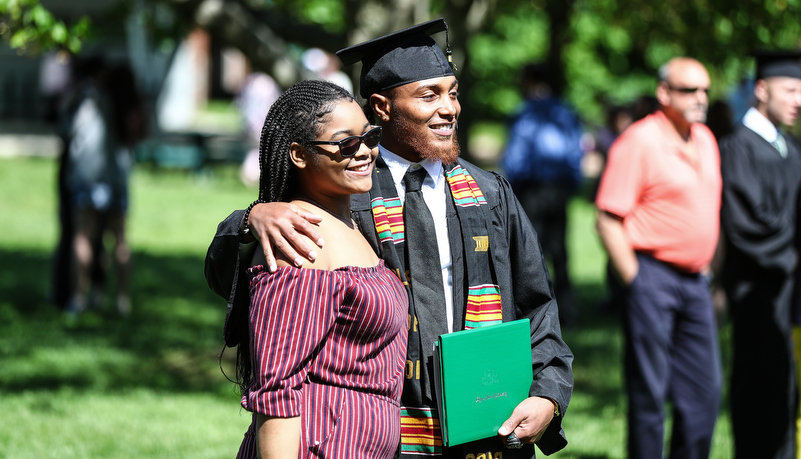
{"x":761,"y":169}
{"x":467,"y":253}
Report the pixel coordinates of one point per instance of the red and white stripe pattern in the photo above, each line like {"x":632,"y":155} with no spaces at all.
{"x":329,"y":346}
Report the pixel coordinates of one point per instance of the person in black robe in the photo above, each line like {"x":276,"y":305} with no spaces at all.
{"x":505,"y":249}
{"x":761,"y":169}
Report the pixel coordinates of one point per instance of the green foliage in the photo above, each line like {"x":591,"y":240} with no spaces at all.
{"x":719,"y":33}
{"x":323,"y":12}
{"x":614,"y":48}
{"x":29,"y":27}
{"x":602,"y":66}
{"x":497,"y":56}
{"x":328,"y":14}
{"x":610,"y":50}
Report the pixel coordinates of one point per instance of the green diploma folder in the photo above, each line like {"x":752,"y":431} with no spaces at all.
{"x":484,"y":373}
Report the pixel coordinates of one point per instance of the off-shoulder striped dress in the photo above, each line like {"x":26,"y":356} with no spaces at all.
{"x":330,"y":347}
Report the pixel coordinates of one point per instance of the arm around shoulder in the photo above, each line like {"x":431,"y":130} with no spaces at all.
{"x":280,"y":227}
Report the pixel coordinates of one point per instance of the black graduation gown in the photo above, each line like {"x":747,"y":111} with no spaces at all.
{"x":526,"y":289}
{"x":795,"y":306}
{"x":758,"y":224}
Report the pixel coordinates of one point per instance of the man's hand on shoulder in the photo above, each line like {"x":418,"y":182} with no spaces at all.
{"x":279,"y":226}
{"x":529,"y":419}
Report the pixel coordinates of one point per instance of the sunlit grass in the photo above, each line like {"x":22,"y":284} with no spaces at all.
{"x":150,"y":386}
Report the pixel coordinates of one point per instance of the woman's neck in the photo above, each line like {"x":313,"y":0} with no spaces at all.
{"x":339,"y":208}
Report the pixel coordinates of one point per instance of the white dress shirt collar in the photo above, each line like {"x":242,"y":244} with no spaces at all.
{"x":756,"y":121}
{"x":398,"y":167}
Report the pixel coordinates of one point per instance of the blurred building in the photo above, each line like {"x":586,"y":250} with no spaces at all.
{"x":177,"y":80}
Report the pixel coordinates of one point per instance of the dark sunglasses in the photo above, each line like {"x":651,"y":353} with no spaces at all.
{"x":689,"y":90}
{"x":349,"y":146}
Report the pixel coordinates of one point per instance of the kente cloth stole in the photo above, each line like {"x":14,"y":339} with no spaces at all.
{"x":420,"y":429}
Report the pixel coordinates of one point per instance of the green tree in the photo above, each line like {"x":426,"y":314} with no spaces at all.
{"x":601,"y":51}
{"x":30,"y":27}
{"x":618,"y":46}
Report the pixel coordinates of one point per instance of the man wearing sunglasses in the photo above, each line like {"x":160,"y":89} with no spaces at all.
{"x":761,"y":169}
{"x":658,"y":218}
{"x":454,"y":234}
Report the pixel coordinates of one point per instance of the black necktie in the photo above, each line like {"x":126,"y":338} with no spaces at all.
{"x":425,"y":273}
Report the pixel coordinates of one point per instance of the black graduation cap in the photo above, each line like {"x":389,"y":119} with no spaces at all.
{"x":399,"y":58}
{"x":778,"y":63}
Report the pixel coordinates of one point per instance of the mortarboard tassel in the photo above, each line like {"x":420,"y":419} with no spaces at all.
{"x":448,"y":48}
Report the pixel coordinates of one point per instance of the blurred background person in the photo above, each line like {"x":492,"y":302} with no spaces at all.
{"x":542,"y":162}
{"x":84,"y":118}
{"x":102,"y":118}
{"x":326,"y":66}
{"x":719,"y":119}
{"x":55,"y":77}
{"x":644,"y":106}
{"x":617,"y":119}
{"x":761,"y":168}
{"x":658,"y":219}
{"x":795,"y":310}
{"x":64,"y":100}
{"x":129,"y":127}
{"x":254,"y":101}
{"x":741,"y":98}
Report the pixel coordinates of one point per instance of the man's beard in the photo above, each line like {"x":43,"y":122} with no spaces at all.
{"x":445,"y":153}
{"x":696,"y":114}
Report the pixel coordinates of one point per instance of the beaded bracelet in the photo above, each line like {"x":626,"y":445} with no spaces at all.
{"x":246,"y":228}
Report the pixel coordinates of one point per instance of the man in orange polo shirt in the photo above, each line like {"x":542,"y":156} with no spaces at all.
{"x":658,"y":218}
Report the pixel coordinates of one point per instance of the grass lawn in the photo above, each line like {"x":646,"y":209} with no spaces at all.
{"x":150,"y":386}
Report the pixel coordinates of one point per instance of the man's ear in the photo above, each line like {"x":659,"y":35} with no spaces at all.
{"x":663,"y":94}
{"x":761,"y":91}
{"x":298,"y":155}
{"x":381,"y":106}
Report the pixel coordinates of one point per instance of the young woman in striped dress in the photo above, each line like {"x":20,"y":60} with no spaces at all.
{"x":322,"y":370}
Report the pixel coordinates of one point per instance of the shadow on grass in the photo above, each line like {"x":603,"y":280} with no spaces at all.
{"x":170,"y":341}
{"x":173,"y":337}
{"x":597,"y":349}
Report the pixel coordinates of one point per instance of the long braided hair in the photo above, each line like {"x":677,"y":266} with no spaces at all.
{"x":296,"y":116}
